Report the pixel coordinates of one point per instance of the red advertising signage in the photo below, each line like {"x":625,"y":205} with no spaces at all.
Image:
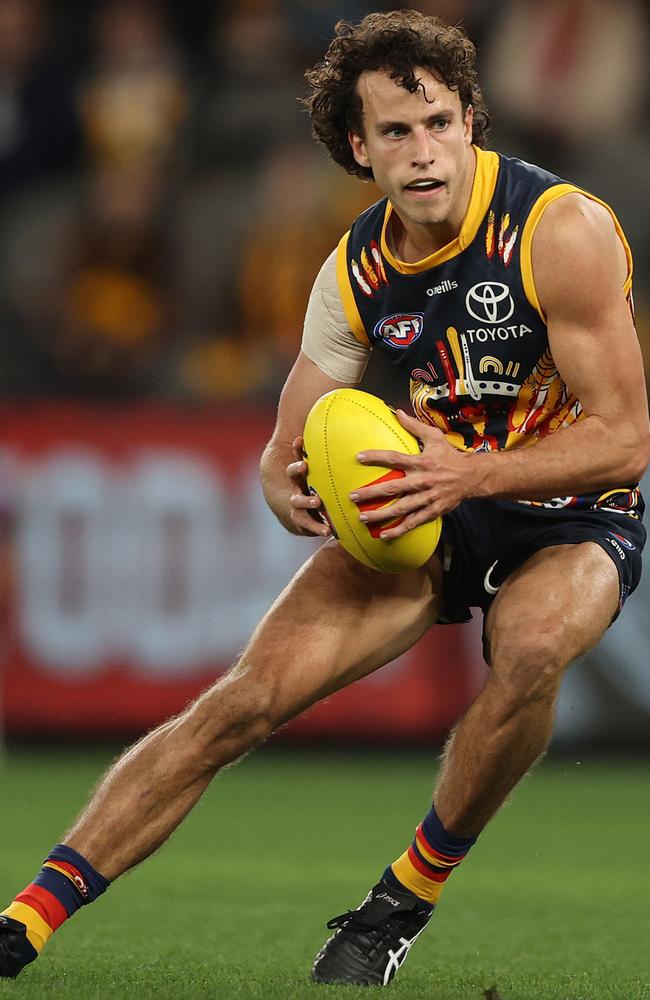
{"x":136,"y":557}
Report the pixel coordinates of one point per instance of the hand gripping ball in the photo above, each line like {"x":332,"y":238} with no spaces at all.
{"x":339,"y":426}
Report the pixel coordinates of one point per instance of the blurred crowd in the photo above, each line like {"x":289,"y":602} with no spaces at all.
{"x":164,"y":210}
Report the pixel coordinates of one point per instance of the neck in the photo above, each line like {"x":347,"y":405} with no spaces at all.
{"x":412,"y":241}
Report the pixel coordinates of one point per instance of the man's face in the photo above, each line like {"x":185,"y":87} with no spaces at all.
{"x":417,"y":145}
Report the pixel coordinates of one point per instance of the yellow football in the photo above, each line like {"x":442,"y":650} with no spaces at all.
{"x":339,"y":426}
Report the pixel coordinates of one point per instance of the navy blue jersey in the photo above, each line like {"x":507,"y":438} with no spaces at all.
{"x":465,"y":325}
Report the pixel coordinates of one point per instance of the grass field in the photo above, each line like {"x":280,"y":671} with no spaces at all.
{"x":553,"y":903}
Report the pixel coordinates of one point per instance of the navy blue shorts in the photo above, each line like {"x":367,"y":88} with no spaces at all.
{"x":484,"y":541}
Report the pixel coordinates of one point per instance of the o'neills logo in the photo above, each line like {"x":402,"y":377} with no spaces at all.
{"x":401,"y":329}
{"x":444,"y":286}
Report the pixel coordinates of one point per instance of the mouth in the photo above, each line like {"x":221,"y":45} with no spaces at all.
{"x":424,"y":184}
{"x":424,"y":187}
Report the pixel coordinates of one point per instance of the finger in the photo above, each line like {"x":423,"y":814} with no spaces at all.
{"x":413,"y":520}
{"x":308,"y":525}
{"x":400,"y":508}
{"x":425,"y":432}
{"x":387,"y":490}
{"x":297,"y":444}
{"x":302,"y":501}
{"x":408,"y":420}
{"x":297,"y":470}
{"x":390,"y":459}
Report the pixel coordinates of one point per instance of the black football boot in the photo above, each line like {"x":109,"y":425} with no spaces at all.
{"x":372,"y":942}
{"x":15,"y":950}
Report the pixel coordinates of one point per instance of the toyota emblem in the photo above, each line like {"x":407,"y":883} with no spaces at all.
{"x":490,"y":302}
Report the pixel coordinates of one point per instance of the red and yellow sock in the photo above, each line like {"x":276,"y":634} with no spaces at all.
{"x":65,"y":883}
{"x":431,"y":858}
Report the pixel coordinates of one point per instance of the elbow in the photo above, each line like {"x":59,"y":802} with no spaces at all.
{"x":268,"y":454}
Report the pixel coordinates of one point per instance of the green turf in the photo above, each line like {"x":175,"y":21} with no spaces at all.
{"x":553,"y":903}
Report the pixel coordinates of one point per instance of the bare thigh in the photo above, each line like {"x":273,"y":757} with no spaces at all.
{"x":335,"y":622}
{"x":557,"y":605}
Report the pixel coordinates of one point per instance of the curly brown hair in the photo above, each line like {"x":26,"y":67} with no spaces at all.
{"x":399,"y":41}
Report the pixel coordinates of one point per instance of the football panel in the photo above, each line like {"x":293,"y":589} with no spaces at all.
{"x":340,"y":425}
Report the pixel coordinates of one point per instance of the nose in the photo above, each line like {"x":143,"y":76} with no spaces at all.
{"x":422,"y":148}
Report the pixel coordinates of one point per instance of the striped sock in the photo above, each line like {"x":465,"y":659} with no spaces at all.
{"x":65,"y":883}
{"x":427,"y":864}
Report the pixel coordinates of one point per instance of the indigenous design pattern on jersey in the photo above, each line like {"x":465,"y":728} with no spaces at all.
{"x":465,"y":324}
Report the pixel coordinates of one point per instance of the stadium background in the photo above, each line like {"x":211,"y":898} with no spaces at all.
{"x":163,"y":212}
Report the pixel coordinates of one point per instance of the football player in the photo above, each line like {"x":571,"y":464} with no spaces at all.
{"x":529,"y":399}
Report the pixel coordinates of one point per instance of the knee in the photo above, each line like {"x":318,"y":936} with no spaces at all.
{"x":527,"y":667}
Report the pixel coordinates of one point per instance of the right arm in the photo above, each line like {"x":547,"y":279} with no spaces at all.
{"x":330,"y":358}
{"x":282,"y":469}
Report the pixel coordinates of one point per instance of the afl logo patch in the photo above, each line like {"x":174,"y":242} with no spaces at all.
{"x":400,"y":330}
{"x":490,"y":302}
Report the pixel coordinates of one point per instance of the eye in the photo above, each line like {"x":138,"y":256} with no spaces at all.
{"x":440,"y":124}
{"x":397,"y":132}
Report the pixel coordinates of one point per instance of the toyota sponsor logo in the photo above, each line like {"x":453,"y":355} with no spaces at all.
{"x":490,"y":302}
{"x":401,"y":329}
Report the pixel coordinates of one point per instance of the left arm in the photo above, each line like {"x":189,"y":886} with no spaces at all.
{"x":579,"y":267}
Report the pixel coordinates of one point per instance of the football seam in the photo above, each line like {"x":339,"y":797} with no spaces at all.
{"x":404,"y":443}
{"x":384,"y":422}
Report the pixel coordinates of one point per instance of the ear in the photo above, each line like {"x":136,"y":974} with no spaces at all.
{"x":468,"y":122}
{"x":359,"y":149}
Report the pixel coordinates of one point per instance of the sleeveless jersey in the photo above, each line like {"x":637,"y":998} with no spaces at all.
{"x":465,"y":324}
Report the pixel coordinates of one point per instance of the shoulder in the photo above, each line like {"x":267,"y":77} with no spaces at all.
{"x":325,"y":282}
{"x":529,"y":175}
{"x":577,"y":219}
{"x":325,"y":308}
{"x":577,"y":251}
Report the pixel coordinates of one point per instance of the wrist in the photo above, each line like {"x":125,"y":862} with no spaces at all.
{"x":481,"y":477}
